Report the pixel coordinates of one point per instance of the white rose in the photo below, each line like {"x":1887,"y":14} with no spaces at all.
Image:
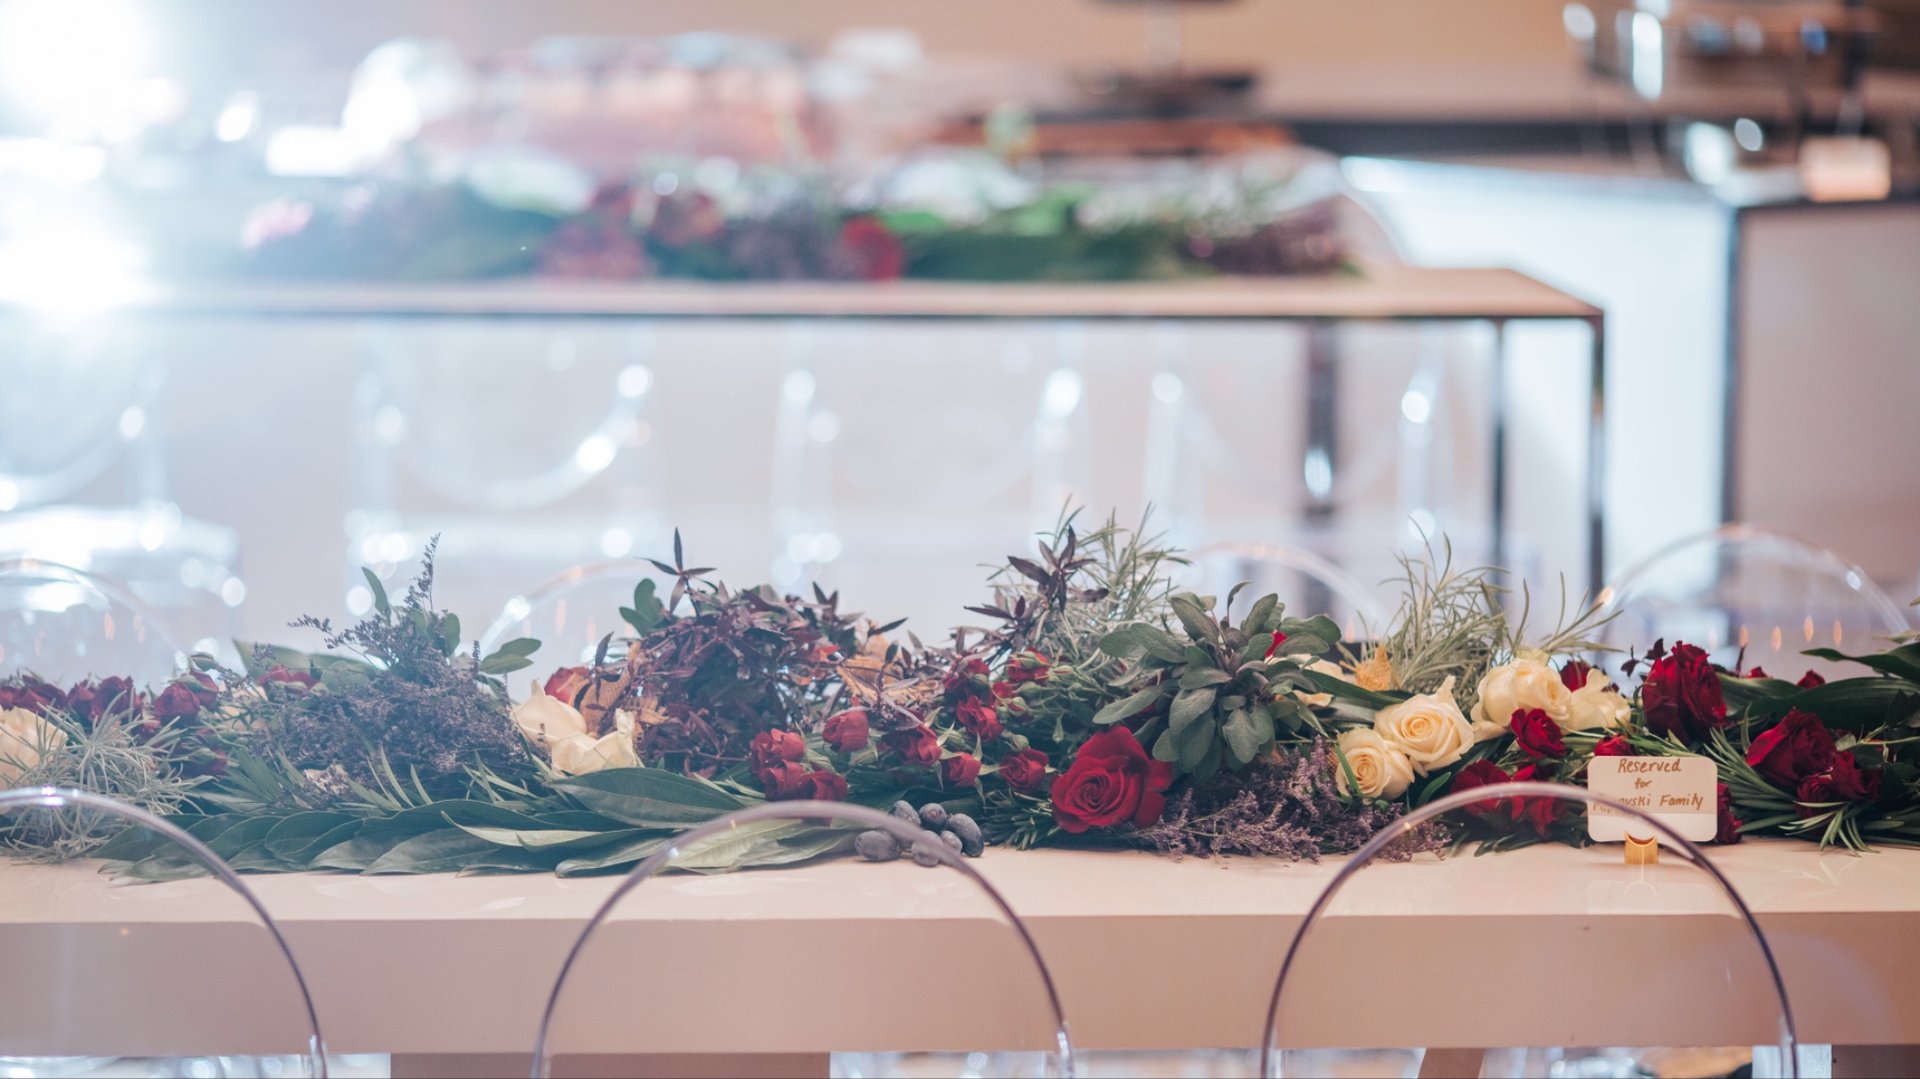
{"x":548,"y":721}
{"x":1597,"y":705}
{"x":1428,"y":728}
{"x":1380,"y":769}
{"x":583,"y":753}
{"x":1522,"y":685}
{"x":25,"y":736}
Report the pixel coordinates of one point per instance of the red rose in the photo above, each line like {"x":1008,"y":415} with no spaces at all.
{"x":1111,"y":782}
{"x":1024,"y":770}
{"x":33,"y":694}
{"x":968,"y":676}
{"x":1681,"y":695}
{"x":93,"y":701}
{"x":1853,"y":783}
{"x":1729,"y":831}
{"x":847,"y":731}
{"x":1815,"y":791}
{"x":286,"y":677}
{"x":1757,"y":672}
{"x":1005,"y":690}
{"x":1027,"y":666}
{"x":769,"y":749}
{"x":915,"y":745}
{"x":1811,"y":680}
{"x":1537,"y":810}
{"x":960,"y":770}
{"x":566,"y":683}
{"x":979,"y":717}
{"x":1792,"y":749}
{"x":204,"y":689}
{"x":825,"y":786}
{"x":1574,"y":675}
{"x":1537,"y":735}
{"x":1279,"y":639}
{"x":872,"y":251}
{"x":178,"y":701}
{"x":1614,"y":746}
{"x":784,"y":780}
{"x":1476,"y":775}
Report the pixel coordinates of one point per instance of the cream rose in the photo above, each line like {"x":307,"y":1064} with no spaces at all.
{"x":548,"y":720}
{"x":25,"y":736}
{"x":1428,"y":728}
{"x":1522,"y":685}
{"x":1379,"y":768}
{"x":1597,"y":705}
{"x":583,"y":753}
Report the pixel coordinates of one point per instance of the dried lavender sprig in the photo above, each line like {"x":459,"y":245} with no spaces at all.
{"x":1288,"y":805}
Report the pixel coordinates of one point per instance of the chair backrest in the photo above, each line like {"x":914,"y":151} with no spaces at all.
{"x":571,"y":612}
{"x":180,"y":961}
{"x":859,"y":960}
{"x":1751,"y":597}
{"x":1307,"y":583}
{"x":1541,"y":961}
{"x":66,"y":625}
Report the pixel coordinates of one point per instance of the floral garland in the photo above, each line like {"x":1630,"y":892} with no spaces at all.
{"x":629,"y":233}
{"x":1098,"y":707}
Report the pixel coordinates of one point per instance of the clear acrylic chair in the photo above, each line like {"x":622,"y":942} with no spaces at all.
{"x":1752,"y":597}
{"x":892,"y":969}
{"x":571,"y":613}
{"x":1307,"y":583}
{"x":1552,"y":960}
{"x":170,"y":967}
{"x":65,"y":625}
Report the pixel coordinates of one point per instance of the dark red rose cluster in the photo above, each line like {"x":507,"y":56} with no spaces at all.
{"x":1681,"y":696}
{"x":1799,"y":754}
{"x":778,"y":761}
{"x":1111,"y":782}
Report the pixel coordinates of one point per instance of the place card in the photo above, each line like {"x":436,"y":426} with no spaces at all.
{"x":1679,"y":792}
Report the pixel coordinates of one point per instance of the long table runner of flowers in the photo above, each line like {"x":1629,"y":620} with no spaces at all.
{"x":1095,"y":705}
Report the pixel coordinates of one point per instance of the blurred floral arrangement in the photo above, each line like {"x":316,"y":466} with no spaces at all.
{"x":1097,"y":706}
{"x":958,"y":217}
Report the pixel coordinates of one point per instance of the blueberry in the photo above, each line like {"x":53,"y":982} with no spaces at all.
{"x":926,"y":851}
{"x":933,"y":816}
{"x":877,"y":846}
{"x":971,"y":841}
{"x":904,"y":811}
{"x":953,"y":841}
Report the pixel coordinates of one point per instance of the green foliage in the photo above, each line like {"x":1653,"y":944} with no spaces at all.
{"x":1450,"y":625}
{"x":106,"y":758}
{"x":1222,"y":696}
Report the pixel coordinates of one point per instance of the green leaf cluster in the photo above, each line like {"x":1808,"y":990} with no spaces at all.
{"x":1222,"y":695}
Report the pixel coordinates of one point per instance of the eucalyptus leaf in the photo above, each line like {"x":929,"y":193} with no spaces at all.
{"x":1188,"y":706}
{"x":379,"y":591}
{"x":1242,"y":737}
{"x":1202,"y":677}
{"x":1194,"y":618}
{"x":649,"y":797}
{"x":432,"y":852}
{"x":1128,"y":707}
{"x":1263,"y":609}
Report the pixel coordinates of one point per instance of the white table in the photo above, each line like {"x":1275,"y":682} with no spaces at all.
{"x":1147,"y":952}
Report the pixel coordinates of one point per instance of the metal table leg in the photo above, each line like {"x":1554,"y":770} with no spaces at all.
{"x":1597,"y":457}
{"x":1497,"y":497}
